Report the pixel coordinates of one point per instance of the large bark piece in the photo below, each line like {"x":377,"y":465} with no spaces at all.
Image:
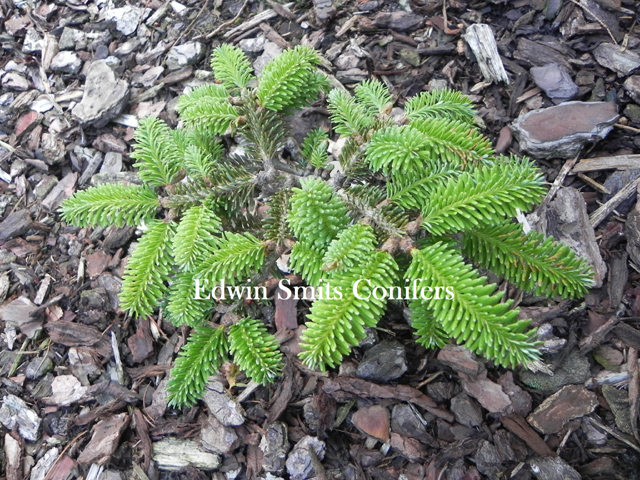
{"x":565,"y":218}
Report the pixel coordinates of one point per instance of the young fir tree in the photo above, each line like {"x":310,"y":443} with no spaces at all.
{"x":419,"y":200}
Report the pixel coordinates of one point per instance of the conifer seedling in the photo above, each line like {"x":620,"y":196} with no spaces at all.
{"x":418,"y":202}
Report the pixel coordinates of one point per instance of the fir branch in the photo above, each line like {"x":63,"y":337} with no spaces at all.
{"x":201,"y":164}
{"x":351,"y":247}
{"x":482,"y":197}
{"x":275,"y":224}
{"x":231,"y":67}
{"x":375,"y":96}
{"x":212,"y":114}
{"x":412,"y":191}
{"x":399,"y":149}
{"x":209,"y":145}
{"x":316,"y":212}
{"x":147,"y":271}
{"x":195,"y":237}
{"x":307,"y":260}
{"x":209,"y":92}
{"x":353,"y":163}
{"x":337,"y":324}
{"x":314,"y":148}
{"x":428,"y":330}
{"x":111,"y":204}
{"x":235,"y":257}
{"x":441,"y":103}
{"x":266,"y":132}
{"x":472,"y":312}
{"x":367,"y":203}
{"x":255,"y":350}
{"x":349,"y":117}
{"x":453,"y":141}
{"x":530,"y":261}
{"x":157,"y":154}
{"x":230,"y":186}
{"x":291,"y":80}
{"x":183,"y":308}
{"x":202,"y":355}
{"x":408,"y":149}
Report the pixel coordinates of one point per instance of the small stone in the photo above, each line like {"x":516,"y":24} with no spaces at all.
{"x":112,"y":163}
{"x":616,"y":182}
{"x":38,"y":367}
{"x":26,"y":123}
{"x":632,"y":87}
{"x":15,"y":224}
{"x":72,"y":39}
{"x":270,"y":51}
{"x":459,"y":358}
{"x":574,"y":370}
{"x":572,"y":401}
{"x":368,"y":6}
{"x":552,"y":343}
{"x":561,"y":131}
{"x":618,"y":400}
{"x":299,"y":464}
{"x":127,"y":47}
{"x":398,"y":20}
{"x":15,"y":82}
{"x":552,"y":468}
{"x":18,"y":167}
{"x":352,"y":75}
{"x":222,"y":405}
{"x":632,"y":112}
{"x":437,"y":84}
{"x":252,"y":45}
{"x":17,"y":25}
{"x":373,"y":421}
{"x":148,"y":79}
{"x":184,"y":55}
{"x":217,"y":438}
{"x":487,"y":460}
{"x":613,"y":57}
{"x":44,"y":186}
{"x":610,"y":358}
{"x":466,"y":410}
{"x":173,"y":454}
{"x":566,"y":219}
{"x":32,"y":42}
{"x":406,"y":421}
{"x":62,"y":191}
{"x":275,"y":446}
{"x":179,"y":8}
{"x":105,"y":438}
{"x":505,"y":137}
{"x":411,"y":56}
{"x":520,"y":399}
{"x":46,"y":462}
{"x":585,"y":78}
{"x":383,"y":363}
{"x":555,"y":81}
{"x":346,"y":61}
{"x":15,"y":412}
{"x":104,"y":96}
{"x":324,"y":10}
{"x":66,"y":62}
{"x":126,"y":18}
{"x":488,"y":393}
{"x":594,"y":435}
{"x":42,"y":104}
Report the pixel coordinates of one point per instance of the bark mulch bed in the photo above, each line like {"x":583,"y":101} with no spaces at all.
{"x":83,"y":387}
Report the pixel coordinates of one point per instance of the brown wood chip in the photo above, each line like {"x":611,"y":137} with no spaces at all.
{"x":520,"y":428}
